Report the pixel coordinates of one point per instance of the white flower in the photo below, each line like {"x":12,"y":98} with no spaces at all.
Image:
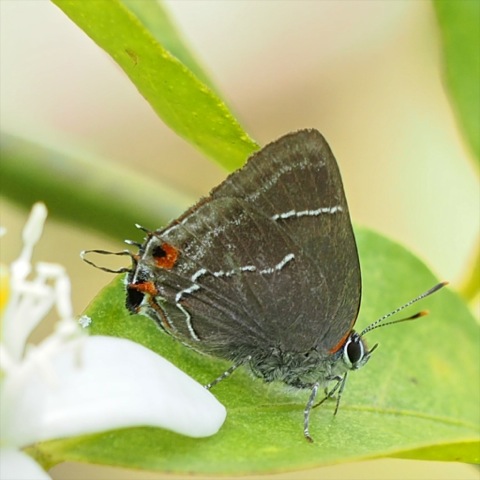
{"x":73,"y":384}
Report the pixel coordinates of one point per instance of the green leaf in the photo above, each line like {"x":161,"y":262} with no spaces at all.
{"x":418,"y":394}
{"x":460,"y":31}
{"x":181,"y":99}
{"x":74,"y":186}
{"x":157,"y":21}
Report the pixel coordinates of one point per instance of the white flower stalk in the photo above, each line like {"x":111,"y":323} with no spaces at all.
{"x":29,"y":301}
{"x":73,"y":384}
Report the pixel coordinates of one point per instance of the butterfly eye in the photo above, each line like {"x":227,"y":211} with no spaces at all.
{"x":354,"y":352}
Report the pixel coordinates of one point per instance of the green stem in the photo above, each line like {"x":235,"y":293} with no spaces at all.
{"x":90,"y":192}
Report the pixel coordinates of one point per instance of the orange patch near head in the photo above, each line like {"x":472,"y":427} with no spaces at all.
{"x":341,"y":343}
{"x":165,"y":256}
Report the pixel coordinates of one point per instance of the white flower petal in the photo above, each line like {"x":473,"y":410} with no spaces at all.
{"x":16,"y":465}
{"x":102,"y":383}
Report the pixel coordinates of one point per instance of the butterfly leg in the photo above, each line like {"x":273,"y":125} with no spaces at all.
{"x":306,"y":412}
{"x":227,"y":373}
{"x":340,"y":385}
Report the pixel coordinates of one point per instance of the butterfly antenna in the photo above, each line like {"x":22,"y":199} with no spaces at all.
{"x":379,"y":323}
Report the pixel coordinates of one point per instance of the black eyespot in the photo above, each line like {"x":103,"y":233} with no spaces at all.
{"x":158,"y":252}
{"x":354,"y":351}
{"x":134,"y":299}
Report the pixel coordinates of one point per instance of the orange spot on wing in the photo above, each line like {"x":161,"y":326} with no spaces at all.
{"x":166,"y":256}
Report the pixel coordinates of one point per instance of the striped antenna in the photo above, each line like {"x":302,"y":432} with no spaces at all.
{"x":379,"y":323}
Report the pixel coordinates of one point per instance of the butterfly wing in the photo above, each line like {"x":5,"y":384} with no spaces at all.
{"x":296,"y":181}
{"x":268,"y":260}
